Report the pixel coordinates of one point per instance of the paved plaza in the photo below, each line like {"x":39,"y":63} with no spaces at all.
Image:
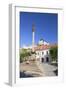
{"x":49,"y":70}
{"x":37,"y":69}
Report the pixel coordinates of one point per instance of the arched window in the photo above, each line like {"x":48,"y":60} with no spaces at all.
{"x":47,"y":52}
{"x":42,"y":53}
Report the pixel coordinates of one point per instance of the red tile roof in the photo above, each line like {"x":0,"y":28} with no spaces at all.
{"x":44,"y":47}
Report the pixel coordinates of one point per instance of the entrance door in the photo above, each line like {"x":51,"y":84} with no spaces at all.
{"x":47,"y":59}
{"x":42,"y":60}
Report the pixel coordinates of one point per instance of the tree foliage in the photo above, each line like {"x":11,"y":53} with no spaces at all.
{"x":54,"y":53}
{"x":24,"y":54}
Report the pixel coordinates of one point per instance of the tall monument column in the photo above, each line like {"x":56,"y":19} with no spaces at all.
{"x":33,"y":37}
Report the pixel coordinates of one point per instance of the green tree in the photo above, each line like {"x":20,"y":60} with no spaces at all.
{"x":54,"y":53}
{"x":24,"y":54}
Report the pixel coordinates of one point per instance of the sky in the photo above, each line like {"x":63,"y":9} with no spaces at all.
{"x":46,"y":27}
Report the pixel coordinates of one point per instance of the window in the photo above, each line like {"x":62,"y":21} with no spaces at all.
{"x":42,"y":53}
{"x":47,"y":52}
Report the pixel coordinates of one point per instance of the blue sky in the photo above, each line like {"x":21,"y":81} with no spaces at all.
{"x":46,"y":27}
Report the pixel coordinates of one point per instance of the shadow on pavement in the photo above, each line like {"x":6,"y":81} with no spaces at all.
{"x":25,"y":75}
{"x":56,"y":72}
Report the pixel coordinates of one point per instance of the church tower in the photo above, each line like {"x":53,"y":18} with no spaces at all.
{"x":33,"y":37}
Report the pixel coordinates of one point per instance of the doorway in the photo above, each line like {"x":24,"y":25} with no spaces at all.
{"x":47,"y":59}
{"x":42,"y":60}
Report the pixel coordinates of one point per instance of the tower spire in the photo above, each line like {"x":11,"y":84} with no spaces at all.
{"x":33,"y":27}
{"x":33,"y":36}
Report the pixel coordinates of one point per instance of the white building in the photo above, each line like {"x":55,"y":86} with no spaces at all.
{"x":43,"y":42}
{"x":27,"y":47}
{"x":42,"y":51}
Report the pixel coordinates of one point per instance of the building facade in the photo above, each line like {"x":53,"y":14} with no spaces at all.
{"x":42,"y":51}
